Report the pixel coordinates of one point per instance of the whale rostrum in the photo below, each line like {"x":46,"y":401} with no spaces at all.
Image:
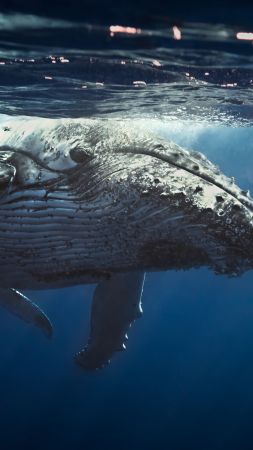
{"x":104,"y":201}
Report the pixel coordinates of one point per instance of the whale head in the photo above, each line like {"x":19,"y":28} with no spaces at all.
{"x":115,"y":197}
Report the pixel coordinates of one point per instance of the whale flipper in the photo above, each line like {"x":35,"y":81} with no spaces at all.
{"x":19,"y":305}
{"x":116,"y":304}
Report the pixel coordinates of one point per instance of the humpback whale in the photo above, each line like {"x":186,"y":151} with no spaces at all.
{"x":103,"y":201}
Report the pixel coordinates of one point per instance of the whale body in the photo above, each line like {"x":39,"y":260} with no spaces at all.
{"x":104,"y":201}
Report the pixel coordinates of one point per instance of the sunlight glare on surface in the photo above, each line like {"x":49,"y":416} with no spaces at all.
{"x":125,"y":30}
{"x":176,"y":33}
{"x":244,"y":36}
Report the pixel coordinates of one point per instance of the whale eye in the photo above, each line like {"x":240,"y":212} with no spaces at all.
{"x":78,"y":155}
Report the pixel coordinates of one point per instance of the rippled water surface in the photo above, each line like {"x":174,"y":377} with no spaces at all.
{"x":61,"y":69}
{"x":185,"y":380}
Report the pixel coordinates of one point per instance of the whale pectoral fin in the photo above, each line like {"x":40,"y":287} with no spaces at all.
{"x":116,"y":304}
{"x":19,"y":305}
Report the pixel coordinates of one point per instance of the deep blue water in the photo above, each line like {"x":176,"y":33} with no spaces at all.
{"x":185,"y":380}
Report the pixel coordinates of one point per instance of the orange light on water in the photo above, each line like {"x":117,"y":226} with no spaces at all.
{"x":139,"y":83}
{"x":125,"y":30}
{"x":176,"y":33}
{"x":244,"y":36}
{"x":63,"y":59}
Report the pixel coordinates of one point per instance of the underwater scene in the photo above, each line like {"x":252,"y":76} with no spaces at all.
{"x":126,"y":285}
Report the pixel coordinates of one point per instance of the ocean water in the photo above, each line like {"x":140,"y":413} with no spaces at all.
{"x":185,"y":379}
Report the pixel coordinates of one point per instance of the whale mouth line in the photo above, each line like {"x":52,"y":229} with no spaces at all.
{"x":7,"y":154}
{"x":19,"y":151}
{"x":165,"y":158}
